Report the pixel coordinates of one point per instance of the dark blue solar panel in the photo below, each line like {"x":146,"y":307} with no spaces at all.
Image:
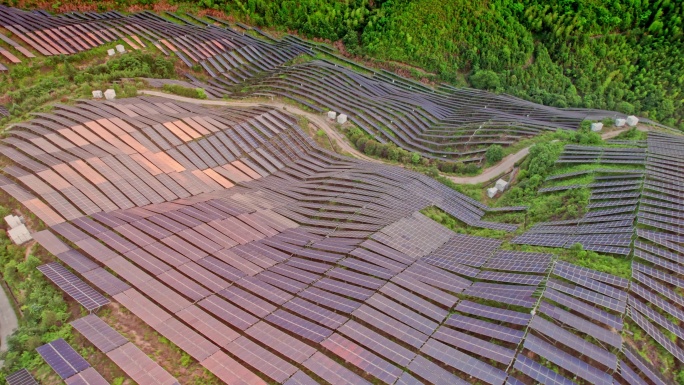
{"x":539,"y":373}
{"x":62,"y":358}
{"x":21,"y":377}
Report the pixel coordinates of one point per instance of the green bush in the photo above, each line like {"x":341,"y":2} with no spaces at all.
{"x":131,"y":65}
{"x":494,"y":154}
{"x":415,"y":158}
{"x":196,"y":93}
{"x":485,"y":80}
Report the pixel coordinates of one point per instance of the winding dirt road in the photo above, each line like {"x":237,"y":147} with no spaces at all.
{"x":319,"y":121}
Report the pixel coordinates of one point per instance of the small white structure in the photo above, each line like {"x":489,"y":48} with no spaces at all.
{"x":501,"y":185}
{"x":120,"y":48}
{"x":632,"y":120}
{"x":110,"y":94}
{"x":19,"y":234}
{"x":97,"y":94}
{"x":14,"y":221}
{"x":332,"y":115}
{"x":596,"y":127}
{"x":111,"y":52}
{"x":491,"y":192}
{"x":341,"y":118}
{"x":620,"y":122}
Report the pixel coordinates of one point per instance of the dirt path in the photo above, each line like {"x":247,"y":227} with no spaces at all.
{"x":8,"y":320}
{"x":487,"y":174}
{"x":316,"y":119}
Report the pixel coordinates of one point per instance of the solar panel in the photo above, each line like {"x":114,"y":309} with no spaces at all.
{"x":651,"y":373}
{"x":105,"y":281}
{"x":73,"y":286}
{"x":657,"y":301}
{"x":494,"y":313}
{"x":141,"y":368}
{"x":539,"y":373}
{"x":377,"y":343}
{"x":331,"y":371}
{"x":656,"y":317}
{"x":299,"y":378}
{"x":388,"y":325}
{"x":433,"y":373}
{"x":474,"y":345}
{"x":583,"y":308}
{"x":463,"y":362}
{"x":401,"y":313}
{"x":657,"y":335}
{"x":21,"y":377}
{"x":582,"y":325}
{"x":576,"y":343}
{"x":485,"y":328}
{"x":62,"y":358}
{"x":231,"y":314}
{"x":588,"y":295}
{"x":99,"y":333}
{"x":362,"y":358}
{"x":414,"y":302}
{"x":567,"y":361}
{"x":87,"y":377}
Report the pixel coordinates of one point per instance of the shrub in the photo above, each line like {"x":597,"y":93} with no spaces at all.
{"x":201,"y":94}
{"x":485,"y":80}
{"x":471,"y":169}
{"x":370,"y":147}
{"x":543,"y":157}
{"x":625,"y":107}
{"x":494,"y":154}
{"x":361,"y":144}
{"x":392,"y":153}
{"x":135,"y":64}
{"x":196,"y":93}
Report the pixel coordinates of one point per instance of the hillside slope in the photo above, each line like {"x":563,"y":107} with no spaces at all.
{"x":619,"y":55}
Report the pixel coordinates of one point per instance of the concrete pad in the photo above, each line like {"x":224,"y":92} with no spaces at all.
{"x":110,"y":94}
{"x":341,"y":118}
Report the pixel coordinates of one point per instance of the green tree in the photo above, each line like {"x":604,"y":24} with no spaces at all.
{"x":494,"y":154}
{"x":485,"y":80}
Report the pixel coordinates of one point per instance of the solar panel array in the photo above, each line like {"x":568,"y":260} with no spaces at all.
{"x":312,"y":263}
{"x":125,"y":354}
{"x":444,"y":122}
{"x":659,"y":247}
{"x":630,"y":202}
{"x":608,"y":224}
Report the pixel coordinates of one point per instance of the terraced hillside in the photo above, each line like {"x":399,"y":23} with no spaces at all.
{"x":440,"y":123}
{"x":267,"y":259}
{"x":254,"y":255}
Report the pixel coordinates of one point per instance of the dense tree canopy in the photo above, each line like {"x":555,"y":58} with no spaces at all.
{"x":620,"y":55}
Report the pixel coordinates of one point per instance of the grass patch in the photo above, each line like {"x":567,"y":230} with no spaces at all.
{"x":176,"y":89}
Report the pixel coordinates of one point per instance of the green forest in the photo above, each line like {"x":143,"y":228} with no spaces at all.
{"x":622,"y":55}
